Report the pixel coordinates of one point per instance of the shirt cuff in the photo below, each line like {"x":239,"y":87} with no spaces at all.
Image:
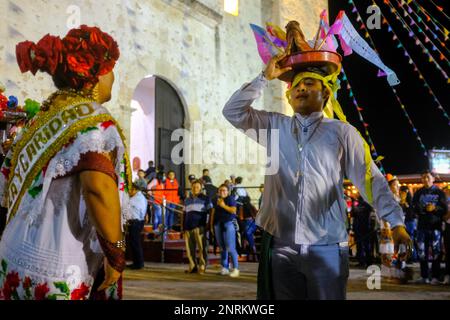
{"x":394,"y":220}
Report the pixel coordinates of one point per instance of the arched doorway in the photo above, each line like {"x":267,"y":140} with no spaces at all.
{"x":157,"y":110}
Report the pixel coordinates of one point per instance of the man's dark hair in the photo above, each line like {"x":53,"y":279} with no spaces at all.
{"x":427,"y":172}
{"x":170,"y":172}
{"x":197,"y":181}
{"x":204,"y":170}
{"x":238,"y":180}
{"x":150,"y":163}
{"x":140,"y":170}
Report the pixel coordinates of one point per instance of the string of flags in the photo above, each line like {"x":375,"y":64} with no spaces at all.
{"x":434,"y":37}
{"x":415,"y":131}
{"x":418,"y":42}
{"x":417,"y":70}
{"x":441,"y":9}
{"x":408,"y":56}
{"x":437,"y":33}
{"x":377,"y":158}
{"x":430,"y":18}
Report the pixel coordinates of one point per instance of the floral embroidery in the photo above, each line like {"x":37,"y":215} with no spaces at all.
{"x":88,"y":130}
{"x":81,"y":293}
{"x":32,"y":290}
{"x":40,"y":291}
{"x":6,"y":172}
{"x":105,"y":125}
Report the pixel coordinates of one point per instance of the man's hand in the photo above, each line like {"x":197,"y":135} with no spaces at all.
{"x":273,"y":70}
{"x":111,"y":276}
{"x":401,"y":236}
{"x":430,"y":207}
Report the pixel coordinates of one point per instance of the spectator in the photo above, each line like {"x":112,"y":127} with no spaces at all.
{"x":248,"y":215}
{"x":141,"y":182}
{"x":229,"y":185}
{"x":210,"y":189}
{"x":138,"y":210}
{"x":196,"y":209}
{"x":191,"y":178}
{"x":205,"y":175}
{"x":172,"y":198}
{"x":362,"y":231}
{"x":410,"y":217}
{"x":232,"y":183}
{"x":239,"y":190}
{"x":157,"y":193}
{"x":394,"y":185}
{"x":150,"y":173}
{"x":223,"y":223}
{"x":430,"y":205}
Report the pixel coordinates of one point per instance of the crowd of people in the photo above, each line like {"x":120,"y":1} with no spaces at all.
{"x":427,"y":221}
{"x":223,"y":217}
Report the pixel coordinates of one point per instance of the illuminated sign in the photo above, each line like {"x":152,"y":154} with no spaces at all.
{"x":440,"y":161}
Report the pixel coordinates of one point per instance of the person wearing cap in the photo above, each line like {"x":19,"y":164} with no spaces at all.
{"x":304,"y":253}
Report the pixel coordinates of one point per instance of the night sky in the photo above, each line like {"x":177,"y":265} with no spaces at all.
{"x":390,"y":131}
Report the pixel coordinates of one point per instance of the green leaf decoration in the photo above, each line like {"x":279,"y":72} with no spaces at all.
{"x":62,"y":286}
{"x":88,"y":130}
{"x":4,"y":265}
{"x":33,"y":192}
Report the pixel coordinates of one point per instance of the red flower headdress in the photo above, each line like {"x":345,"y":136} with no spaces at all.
{"x":77,"y":60}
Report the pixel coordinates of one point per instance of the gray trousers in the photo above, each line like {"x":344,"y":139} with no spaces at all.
{"x":196,"y":239}
{"x":318,"y":272}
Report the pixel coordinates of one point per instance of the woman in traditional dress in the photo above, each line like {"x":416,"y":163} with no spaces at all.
{"x":65,"y":179}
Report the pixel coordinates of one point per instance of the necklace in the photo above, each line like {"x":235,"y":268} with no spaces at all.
{"x":305,"y":127}
{"x":301,"y":145}
{"x":69,"y":92}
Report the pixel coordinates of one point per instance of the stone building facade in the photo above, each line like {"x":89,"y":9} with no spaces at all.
{"x":204,"y":53}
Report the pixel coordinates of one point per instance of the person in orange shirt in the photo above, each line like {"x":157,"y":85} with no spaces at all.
{"x":157,"y":192}
{"x":172,"y":198}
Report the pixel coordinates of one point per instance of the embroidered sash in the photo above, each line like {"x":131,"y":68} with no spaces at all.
{"x":43,"y":139}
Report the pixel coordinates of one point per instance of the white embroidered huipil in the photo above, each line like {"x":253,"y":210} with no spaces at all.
{"x":303,"y":203}
{"x":50,"y":245}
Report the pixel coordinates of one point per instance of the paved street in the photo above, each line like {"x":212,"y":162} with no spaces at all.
{"x":169,"y":282}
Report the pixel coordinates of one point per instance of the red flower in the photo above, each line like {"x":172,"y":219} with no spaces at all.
{"x":13,"y":280}
{"x":49,"y":53}
{"x":81,"y":293}
{"x":26,"y":283}
{"x":25,"y":52}
{"x":80,"y":63}
{"x":105,"y":125}
{"x":6,"y":291}
{"x":6,"y":172}
{"x":41,"y":291}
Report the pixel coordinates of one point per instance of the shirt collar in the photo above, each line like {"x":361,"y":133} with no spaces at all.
{"x":307,"y":120}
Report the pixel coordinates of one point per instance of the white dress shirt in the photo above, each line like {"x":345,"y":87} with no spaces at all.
{"x":303,"y":203}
